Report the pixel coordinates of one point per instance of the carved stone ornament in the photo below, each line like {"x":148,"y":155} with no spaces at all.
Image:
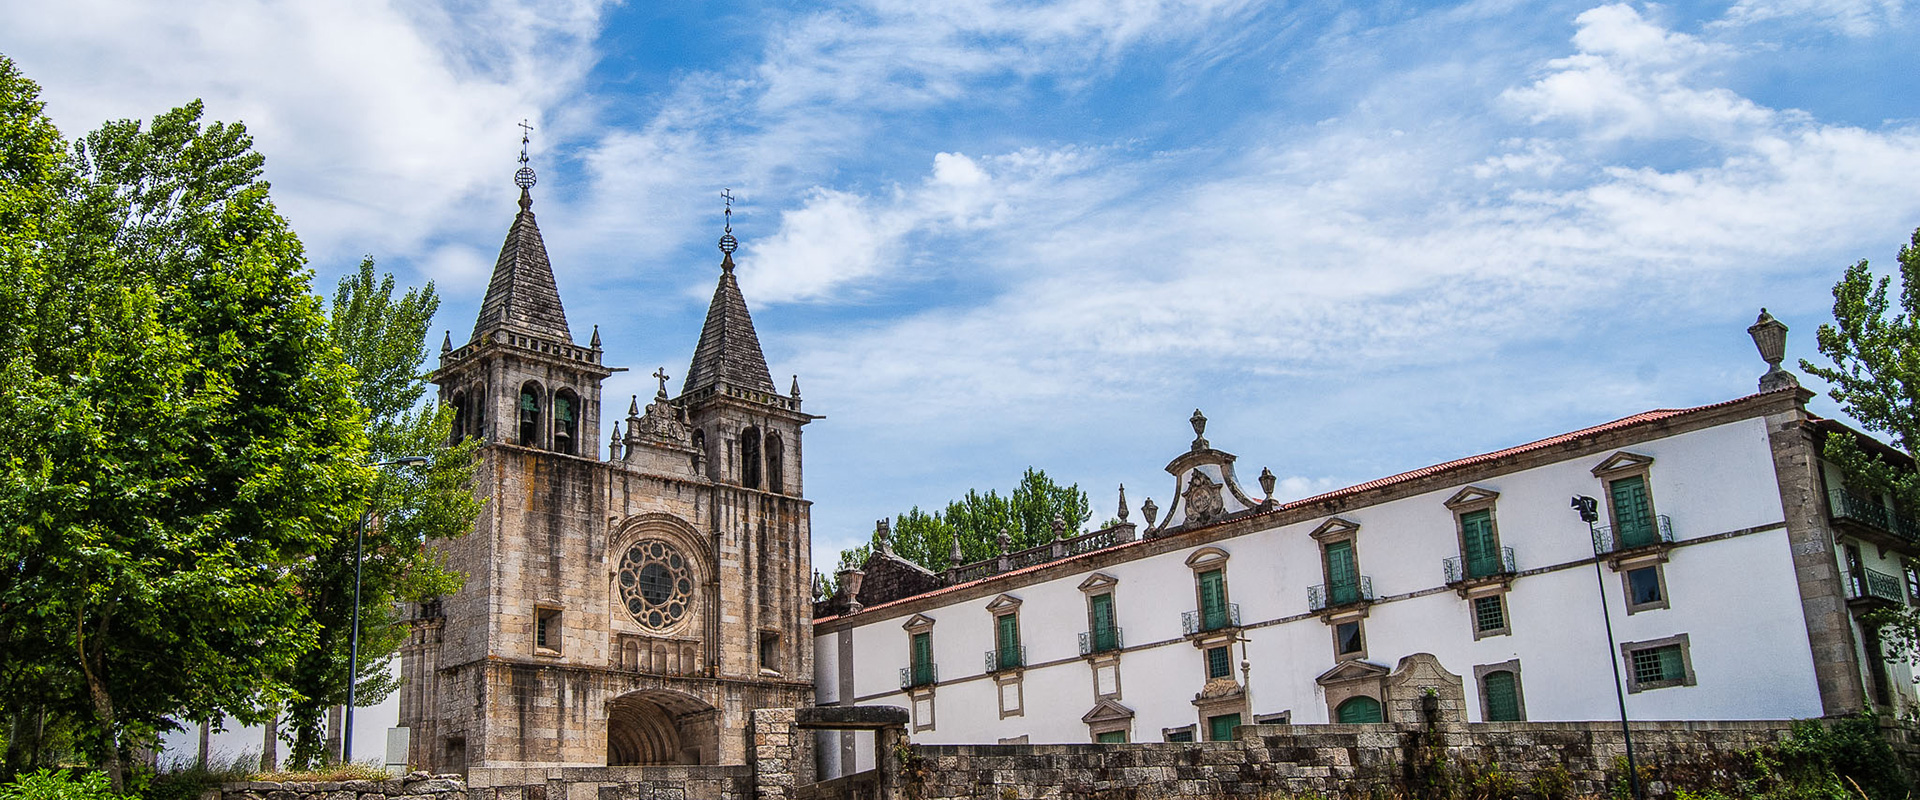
{"x":660,"y":424}
{"x":1203,"y":499}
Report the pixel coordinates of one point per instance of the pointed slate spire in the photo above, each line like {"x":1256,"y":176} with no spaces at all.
{"x":522,"y":294}
{"x":729,"y":350}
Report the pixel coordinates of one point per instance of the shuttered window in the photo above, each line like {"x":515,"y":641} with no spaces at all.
{"x":1482,"y":551}
{"x":1632,"y":513}
{"x":922,"y":659}
{"x":1503,"y":696}
{"x":1358,"y":710}
{"x":1112,"y":737}
{"x":1220,"y":728}
{"x":1104,"y":636}
{"x":1007,"y":640}
{"x":1213,"y":600}
{"x":1343,"y":574}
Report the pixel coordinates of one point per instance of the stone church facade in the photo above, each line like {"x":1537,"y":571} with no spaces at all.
{"x":621,"y":608}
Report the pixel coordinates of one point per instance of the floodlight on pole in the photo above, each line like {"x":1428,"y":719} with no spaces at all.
{"x":353,"y":647}
{"x":1589,"y":510}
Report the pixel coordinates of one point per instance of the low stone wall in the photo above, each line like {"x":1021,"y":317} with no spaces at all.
{"x":612,"y":783}
{"x":415,"y":786}
{"x":1330,"y":760}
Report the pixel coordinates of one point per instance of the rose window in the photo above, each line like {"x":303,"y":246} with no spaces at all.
{"x":655,"y":584}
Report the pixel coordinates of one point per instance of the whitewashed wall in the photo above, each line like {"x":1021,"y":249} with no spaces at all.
{"x":1736,"y":599}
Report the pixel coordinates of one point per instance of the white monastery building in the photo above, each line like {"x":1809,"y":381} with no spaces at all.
{"x":1734,"y":566}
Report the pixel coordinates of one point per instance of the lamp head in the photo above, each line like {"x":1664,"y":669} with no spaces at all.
{"x":1588,"y":507}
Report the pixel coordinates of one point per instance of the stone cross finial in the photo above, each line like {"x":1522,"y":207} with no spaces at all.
{"x":661,"y":375}
{"x":1152,"y":511}
{"x":1267,"y":481}
{"x":1770,"y":336}
{"x":1123,"y":502}
{"x":1199,"y":422}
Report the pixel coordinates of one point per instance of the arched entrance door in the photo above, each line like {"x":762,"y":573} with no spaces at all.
{"x":661,"y":727}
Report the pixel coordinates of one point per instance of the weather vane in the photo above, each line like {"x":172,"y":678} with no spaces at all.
{"x":524,"y":178}
{"x":728,"y":244}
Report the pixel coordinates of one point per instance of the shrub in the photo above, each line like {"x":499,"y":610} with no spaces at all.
{"x":50,"y":784}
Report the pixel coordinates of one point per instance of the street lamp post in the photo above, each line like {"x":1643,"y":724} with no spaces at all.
{"x":353,"y":646}
{"x":1589,"y":509}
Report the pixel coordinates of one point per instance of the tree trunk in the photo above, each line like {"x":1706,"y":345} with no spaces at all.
{"x":270,"y":747}
{"x":102,"y":701}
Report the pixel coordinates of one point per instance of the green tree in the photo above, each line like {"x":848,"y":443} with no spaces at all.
{"x":1874,"y":346}
{"x":176,"y":434}
{"x":384,"y":340}
{"x":977,"y":520}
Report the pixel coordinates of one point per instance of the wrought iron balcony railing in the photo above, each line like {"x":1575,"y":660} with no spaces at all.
{"x":919,"y":675}
{"x":1210,"y":619}
{"x":1007,"y":658}
{"x":1614,"y":538}
{"x":1463,"y":569}
{"x":1847,"y":506}
{"x":1101,"y":640}
{"x":1335,"y":595}
{"x":1877,"y":585}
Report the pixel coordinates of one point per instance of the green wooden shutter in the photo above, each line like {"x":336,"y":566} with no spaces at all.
{"x":1482,"y":552}
{"x":1343,"y":576}
{"x":1103,"y":633}
{"x":1112,"y":737}
{"x":922,"y":659}
{"x":1632,"y":514}
{"x":1503,"y":698}
{"x":1220,"y":728}
{"x":1213,"y":600}
{"x":1358,"y":710}
{"x":1009,"y":640}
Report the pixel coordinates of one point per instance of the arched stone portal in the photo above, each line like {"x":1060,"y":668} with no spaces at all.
{"x":661,"y":727}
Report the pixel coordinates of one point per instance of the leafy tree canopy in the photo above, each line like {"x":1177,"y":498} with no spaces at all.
{"x":178,"y":435}
{"x":977,"y":521}
{"x":1874,"y":345}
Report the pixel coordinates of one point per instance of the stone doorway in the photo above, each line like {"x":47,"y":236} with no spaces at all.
{"x":657,"y":727}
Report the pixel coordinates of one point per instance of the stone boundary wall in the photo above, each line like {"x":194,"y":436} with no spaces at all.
{"x":1330,"y":760}
{"x":733,"y":782}
{"x":415,"y":786}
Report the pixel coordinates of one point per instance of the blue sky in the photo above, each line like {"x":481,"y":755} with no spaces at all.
{"x":988,"y":235}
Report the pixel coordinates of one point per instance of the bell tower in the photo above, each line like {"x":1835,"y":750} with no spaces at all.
{"x":748,"y":439}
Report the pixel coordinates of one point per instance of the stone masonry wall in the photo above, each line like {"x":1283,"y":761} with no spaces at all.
{"x":1330,"y":760}
{"x":734,"y":782}
{"x":415,"y":786}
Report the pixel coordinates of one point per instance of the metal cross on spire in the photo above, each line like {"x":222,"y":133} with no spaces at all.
{"x":728,"y":244}
{"x":524,"y":178}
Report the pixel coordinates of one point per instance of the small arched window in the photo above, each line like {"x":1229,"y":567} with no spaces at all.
{"x":776,"y":464}
{"x":1360,"y":710}
{"x":530,"y":415}
{"x":477,"y":413}
{"x":459,"y":404}
{"x":750,"y":458}
{"x":566,"y":425}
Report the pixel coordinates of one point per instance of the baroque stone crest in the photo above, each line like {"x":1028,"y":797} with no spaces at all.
{"x":1203,"y":499}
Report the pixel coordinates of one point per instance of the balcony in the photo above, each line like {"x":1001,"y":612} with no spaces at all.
{"x":1460,"y":570}
{"x":919,"y":675}
{"x":1845,"y":506}
{"x":1609,"y":540}
{"x":1874,"y":586}
{"x":1006,"y":658}
{"x":1104,"y":640}
{"x":1345,"y":593}
{"x":1210,"y":619}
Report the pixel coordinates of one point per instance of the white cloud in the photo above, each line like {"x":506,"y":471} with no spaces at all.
{"x":1630,"y":80}
{"x":382,"y":122}
{"x":1851,"y":17}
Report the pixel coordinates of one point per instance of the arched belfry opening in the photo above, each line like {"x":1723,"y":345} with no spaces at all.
{"x":661,"y":727}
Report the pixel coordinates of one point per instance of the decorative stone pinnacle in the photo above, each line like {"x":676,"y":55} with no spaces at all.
{"x":953,"y":559}
{"x":595,"y":344}
{"x":795,"y":391}
{"x":1005,"y":541}
{"x":446,"y":341}
{"x":1059,"y":527}
{"x":1199,"y":422}
{"x":1123,"y":502}
{"x":633,"y":408}
{"x":883,"y":535}
{"x":1770,"y":336}
{"x":1267,"y":481}
{"x":1152,"y":511}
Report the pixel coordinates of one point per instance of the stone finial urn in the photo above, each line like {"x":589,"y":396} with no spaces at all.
{"x":1770,"y":337}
